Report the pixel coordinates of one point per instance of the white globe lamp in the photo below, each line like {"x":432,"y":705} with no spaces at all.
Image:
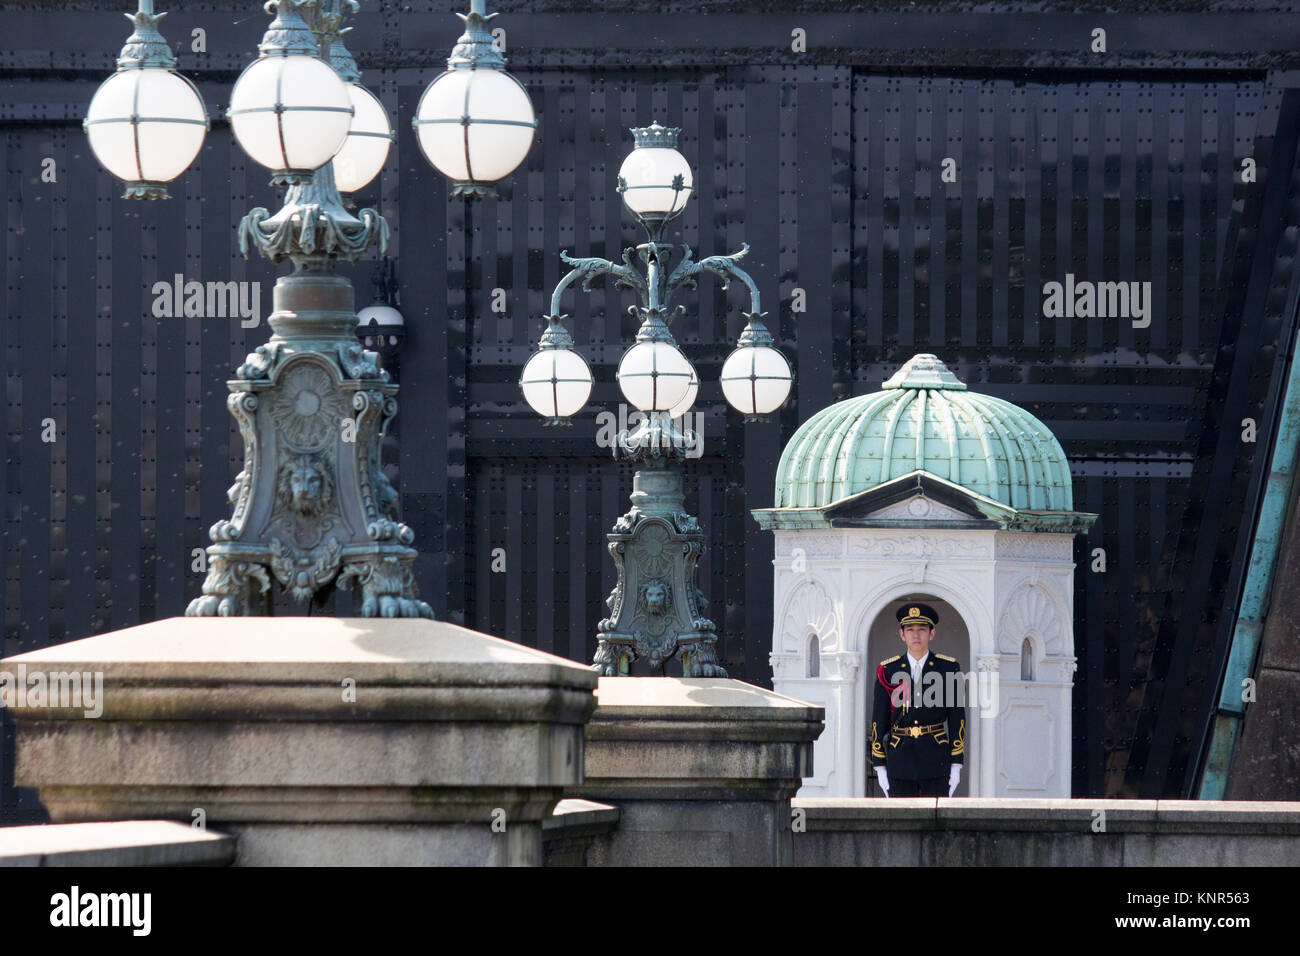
{"x":756,"y":380}
{"x":475,"y":122}
{"x":291,"y":113}
{"x":556,"y":382}
{"x":655,"y":179}
{"x":369,"y":138}
{"x":146,"y":123}
{"x":654,"y":376}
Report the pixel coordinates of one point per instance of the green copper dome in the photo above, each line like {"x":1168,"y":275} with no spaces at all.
{"x":924,"y":419}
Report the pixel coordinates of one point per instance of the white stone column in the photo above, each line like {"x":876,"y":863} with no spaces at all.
{"x":988,"y":669}
{"x":852,"y":743}
{"x":1065,"y":730}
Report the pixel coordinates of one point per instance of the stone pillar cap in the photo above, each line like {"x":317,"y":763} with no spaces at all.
{"x":688,"y":697}
{"x":696,"y":738}
{"x":270,"y":668}
{"x":125,"y":843}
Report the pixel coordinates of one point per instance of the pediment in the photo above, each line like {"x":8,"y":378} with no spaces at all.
{"x":922,"y":500}
{"x":918,"y":499}
{"x":920,"y":508}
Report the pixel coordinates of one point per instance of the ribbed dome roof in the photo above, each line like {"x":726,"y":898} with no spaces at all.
{"x":924,"y":419}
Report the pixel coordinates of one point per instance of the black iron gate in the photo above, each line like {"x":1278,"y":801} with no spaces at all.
{"x":832,"y":168}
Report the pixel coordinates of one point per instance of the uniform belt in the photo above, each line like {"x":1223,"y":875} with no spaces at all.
{"x":917,"y":731}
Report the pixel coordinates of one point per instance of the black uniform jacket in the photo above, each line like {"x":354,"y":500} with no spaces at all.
{"x":936,"y":699}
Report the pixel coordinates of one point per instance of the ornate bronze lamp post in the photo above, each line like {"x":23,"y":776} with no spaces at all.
{"x":311,"y":508}
{"x":656,"y":609}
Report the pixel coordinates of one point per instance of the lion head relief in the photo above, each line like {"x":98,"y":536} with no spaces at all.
{"x":655,"y":597}
{"x":305,"y":485}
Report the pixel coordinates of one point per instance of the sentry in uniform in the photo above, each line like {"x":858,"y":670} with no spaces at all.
{"x":918,"y":734}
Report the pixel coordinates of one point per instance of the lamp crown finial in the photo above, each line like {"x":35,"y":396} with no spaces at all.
{"x":288,"y":34}
{"x":145,"y":47}
{"x":477,"y":48}
{"x":655,"y":136}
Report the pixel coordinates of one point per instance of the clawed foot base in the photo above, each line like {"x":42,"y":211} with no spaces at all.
{"x":243,"y":588}
{"x":698,"y":659}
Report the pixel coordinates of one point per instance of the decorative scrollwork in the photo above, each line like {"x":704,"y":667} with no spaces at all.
{"x":615,"y":600}
{"x":243,"y":408}
{"x":360,"y":364}
{"x":655,"y":438}
{"x":300,"y":575}
{"x":312,"y":230}
{"x":261,"y":362}
{"x":725,"y":267}
{"x":587,"y":269}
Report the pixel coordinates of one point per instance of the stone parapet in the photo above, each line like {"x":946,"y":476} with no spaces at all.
{"x":702,"y":770}
{"x":128,"y":843}
{"x":315,"y":741}
{"x":572,"y":827}
{"x":928,"y":831}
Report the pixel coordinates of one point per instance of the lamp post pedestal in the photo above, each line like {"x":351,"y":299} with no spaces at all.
{"x":657,"y":609}
{"x":312,"y":507}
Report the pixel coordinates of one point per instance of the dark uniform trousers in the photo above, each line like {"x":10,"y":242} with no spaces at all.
{"x":934,"y":787}
{"x":919,"y":741}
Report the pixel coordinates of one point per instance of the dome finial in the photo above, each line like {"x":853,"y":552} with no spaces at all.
{"x":924,"y":371}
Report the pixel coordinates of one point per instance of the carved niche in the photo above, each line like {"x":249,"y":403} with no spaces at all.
{"x":1031,"y":612}
{"x":809,"y":611}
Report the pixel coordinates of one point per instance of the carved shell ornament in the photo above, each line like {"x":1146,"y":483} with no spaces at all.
{"x":810,"y":611}
{"x":309,"y":412}
{"x":1031,"y":610}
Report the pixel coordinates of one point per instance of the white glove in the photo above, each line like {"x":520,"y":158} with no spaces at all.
{"x":954,"y":778}
{"x":882,"y":777}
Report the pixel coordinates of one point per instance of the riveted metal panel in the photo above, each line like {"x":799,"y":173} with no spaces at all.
{"x":830,"y":166}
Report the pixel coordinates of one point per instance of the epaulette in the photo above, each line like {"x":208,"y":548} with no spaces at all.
{"x":890,"y":660}
{"x":945,"y":657}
